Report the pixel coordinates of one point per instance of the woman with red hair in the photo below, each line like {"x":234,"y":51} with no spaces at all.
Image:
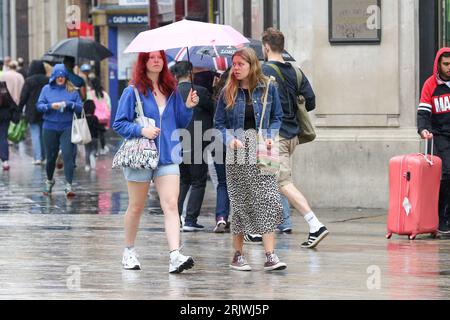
{"x":163,"y":104}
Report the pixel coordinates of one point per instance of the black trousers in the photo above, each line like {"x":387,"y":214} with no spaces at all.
{"x":193,"y":177}
{"x":442,"y":149}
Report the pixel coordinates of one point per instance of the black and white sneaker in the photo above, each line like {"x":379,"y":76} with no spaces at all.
{"x":253,"y":238}
{"x":179,"y":263}
{"x":130,"y":260}
{"x":192,"y":226}
{"x":444,"y":227}
{"x":315,"y":238}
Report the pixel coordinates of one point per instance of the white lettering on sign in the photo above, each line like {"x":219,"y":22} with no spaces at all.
{"x":119,"y":20}
{"x":133,"y":2}
{"x":129,"y":20}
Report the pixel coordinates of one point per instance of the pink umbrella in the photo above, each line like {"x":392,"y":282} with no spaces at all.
{"x":186,"y":33}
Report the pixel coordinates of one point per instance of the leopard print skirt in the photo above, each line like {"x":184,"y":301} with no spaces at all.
{"x":254,"y":197}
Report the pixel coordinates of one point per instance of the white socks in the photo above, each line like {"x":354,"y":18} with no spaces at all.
{"x":313,"y":222}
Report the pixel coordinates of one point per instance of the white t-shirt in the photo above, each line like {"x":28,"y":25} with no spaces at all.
{"x":161,"y":110}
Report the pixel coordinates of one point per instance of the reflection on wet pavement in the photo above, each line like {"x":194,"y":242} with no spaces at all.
{"x":55,"y":248}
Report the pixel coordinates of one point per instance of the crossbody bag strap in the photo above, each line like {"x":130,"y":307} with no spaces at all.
{"x":299,"y":78}
{"x":277,"y":70}
{"x":139,"y":108}
{"x":266,"y":94}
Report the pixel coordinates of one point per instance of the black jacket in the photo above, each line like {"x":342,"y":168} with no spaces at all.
{"x":94,"y":126}
{"x":288,"y":92}
{"x":8,"y":108}
{"x":34,"y":83}
{"x":203,"y":112}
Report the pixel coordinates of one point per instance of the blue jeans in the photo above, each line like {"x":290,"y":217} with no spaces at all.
{"x":149,"y":175}
{"x":222,"y":199}
{"x":287,"y":222}
{"x":37,"y":141}
{"x":52,"y":141}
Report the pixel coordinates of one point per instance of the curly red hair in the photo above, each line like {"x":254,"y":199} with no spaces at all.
{"x":167,"y":82}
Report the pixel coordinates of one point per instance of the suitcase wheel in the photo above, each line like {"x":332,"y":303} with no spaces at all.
{"x":389,"y":235}
{"x":412,"y":237}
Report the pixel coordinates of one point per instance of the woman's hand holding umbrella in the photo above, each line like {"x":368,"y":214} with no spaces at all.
{"x":192,"y":99}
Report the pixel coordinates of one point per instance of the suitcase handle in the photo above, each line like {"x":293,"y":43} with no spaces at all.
{"x":430,"y":160}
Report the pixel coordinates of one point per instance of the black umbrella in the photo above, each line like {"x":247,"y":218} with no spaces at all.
{"x":52,"y":60}
{"x":80,"y":48}
{"x":230,"y":50}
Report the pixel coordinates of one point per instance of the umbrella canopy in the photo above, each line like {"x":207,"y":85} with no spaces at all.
{"x":80,"y":48}
{"x":199,"y":60}
{"x":185,"y":33}
{"x":52,"y":59}
{"x":230,"y":50}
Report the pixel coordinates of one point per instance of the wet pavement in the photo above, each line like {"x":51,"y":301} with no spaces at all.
{"x":55,"y":248}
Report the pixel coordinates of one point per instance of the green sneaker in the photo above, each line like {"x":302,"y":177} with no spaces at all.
{"x":48,"y":187}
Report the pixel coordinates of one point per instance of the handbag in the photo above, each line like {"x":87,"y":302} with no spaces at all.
{"x":307,"y":131}
{"x":16,"y":131}
{"x":268,"y":161}
{"x":80,"y":130}
{"x":137,"y":153}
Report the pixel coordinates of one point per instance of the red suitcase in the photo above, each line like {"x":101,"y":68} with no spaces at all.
{"x":414,"y":182}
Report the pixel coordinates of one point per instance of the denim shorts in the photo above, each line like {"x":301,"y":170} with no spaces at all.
{"x":148,"y":175}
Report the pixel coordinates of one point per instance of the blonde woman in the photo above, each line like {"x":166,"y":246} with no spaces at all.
{"x":58,"y":101}
{"x":254,"y":197}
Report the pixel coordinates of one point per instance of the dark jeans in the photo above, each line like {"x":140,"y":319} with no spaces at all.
{"x":194,"y":177}
{"x":442,"y":149}
{"x":4,"y":148}
{"x":444,"y":201}
{"x":52,"y":142}
{"x":101,"y":136}
{"x":89,"y":148}
{"x":222,"y":199}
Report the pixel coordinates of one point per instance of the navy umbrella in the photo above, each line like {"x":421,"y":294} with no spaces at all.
{"x":218,"y":57}
{"x":198,"y":60}
{"x":225,"y":51}
{"x":80,"y":48}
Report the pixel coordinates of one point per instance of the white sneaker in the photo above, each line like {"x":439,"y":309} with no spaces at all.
{"x":179,"y":262}
{"x":220,"y":226}
{"x":130,"y":260}
{"x":104,"y":150}
{"x":92,"y":160}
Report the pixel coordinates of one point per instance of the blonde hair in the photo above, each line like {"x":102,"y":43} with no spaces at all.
{"x":255,"y":76}
{"x":48,"y":69}
{"x":70,"y":87}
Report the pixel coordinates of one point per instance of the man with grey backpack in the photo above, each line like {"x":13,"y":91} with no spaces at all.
{"x":292,"y":84}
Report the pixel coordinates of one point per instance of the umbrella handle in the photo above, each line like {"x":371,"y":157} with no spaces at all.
{"x":190,"y":73}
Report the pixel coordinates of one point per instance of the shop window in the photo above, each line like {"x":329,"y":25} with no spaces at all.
{"x":260,"y":15}
{"x":446,"y":23}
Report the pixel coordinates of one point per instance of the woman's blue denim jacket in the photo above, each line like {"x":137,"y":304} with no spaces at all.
{"x":229,"y":122}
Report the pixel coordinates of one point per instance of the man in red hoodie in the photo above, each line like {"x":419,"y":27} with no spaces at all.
{"x":433,"y":121}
